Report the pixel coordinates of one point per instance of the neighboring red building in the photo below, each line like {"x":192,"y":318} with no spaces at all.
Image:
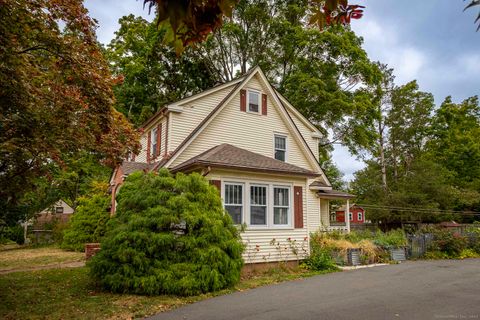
{"x":357,"y":214}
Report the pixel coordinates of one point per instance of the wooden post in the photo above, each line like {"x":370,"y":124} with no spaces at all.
{"x":347,"y":216}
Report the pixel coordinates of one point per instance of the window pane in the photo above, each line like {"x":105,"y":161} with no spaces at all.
{"x":253,"y":98}
{"x":233,"y":194}
{"x":235,"y":212}
{"x":280,"y":197}
{"x":280,"y":143}
{"x":258,"y":215}
{"x":258,"y":195}
{"x":280,"y":155}
{"x":280,"y":215}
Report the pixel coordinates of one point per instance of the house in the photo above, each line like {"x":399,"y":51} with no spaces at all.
{"x":59,"y":212}
{"x":356,"y":214}
{"x":260,"y":153}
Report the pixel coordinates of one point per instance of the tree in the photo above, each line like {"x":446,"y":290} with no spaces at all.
{"x":152,"y":75}
{"x":170,"y":235}
{"x":55,"y":98}
{"x":320,"y":73}
{"x":454,"y":142}
{"x":474,"y":3}
{"x":89,"y":223}
{"x":190,"y":22}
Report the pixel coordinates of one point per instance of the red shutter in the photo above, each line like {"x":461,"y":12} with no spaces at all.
{"x":149,"y":138}
{"x":243,"y":100}
{"x":264,"y":104}
{"x":217,"y":184}
{"x":298,"y":206}
{"x":159,"y":139}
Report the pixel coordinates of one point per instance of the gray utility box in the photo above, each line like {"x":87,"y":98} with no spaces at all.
{"x":353,"y":256}
{"x":398,"y":254}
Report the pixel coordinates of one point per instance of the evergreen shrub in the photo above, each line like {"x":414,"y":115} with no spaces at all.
{"x":170,"y":235}
{"x":88,"y":223}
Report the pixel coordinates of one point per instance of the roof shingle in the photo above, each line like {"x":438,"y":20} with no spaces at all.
{"x":228,"y":156}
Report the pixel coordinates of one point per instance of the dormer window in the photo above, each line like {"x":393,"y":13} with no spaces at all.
{"x":253,"y":101}
{"x":280,"y":147}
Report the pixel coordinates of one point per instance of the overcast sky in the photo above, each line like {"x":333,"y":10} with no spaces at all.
{"x":432,"y":41}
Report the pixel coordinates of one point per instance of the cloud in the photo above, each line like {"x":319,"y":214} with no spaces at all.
{"x":347,"y":163}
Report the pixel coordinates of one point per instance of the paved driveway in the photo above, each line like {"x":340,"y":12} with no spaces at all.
{"x":411,"y":290}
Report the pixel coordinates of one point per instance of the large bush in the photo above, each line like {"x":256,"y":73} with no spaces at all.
{"x":88,"y":223}
{"x":170,"y":235}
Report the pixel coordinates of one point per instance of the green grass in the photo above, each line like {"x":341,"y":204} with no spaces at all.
{"x":69,"y":293}
{"x":25,"y":258}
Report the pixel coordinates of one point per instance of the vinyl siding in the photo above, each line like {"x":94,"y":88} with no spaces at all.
{"x":263,"y":237}
{"x":246,"y":130}
{"x":142,"y":156}
{"x":306,"y":133}
{"x":193,"y":113}
{"x":313,"y":211}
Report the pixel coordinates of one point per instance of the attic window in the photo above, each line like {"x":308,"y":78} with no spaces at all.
{"x":154,"y":142}
{"x":59,"y":210}
{"x":253,"y":101}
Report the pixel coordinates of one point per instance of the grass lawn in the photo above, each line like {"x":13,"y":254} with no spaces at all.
{"x":70,"y":294}
{"x":25,"y":258}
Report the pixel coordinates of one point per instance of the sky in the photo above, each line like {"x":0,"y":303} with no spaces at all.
{"x":432,"y":41}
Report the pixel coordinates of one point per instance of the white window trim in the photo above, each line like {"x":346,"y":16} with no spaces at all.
{"x":281,"y":135}
{"x":236,"y":183}
{"x":259,"y":101}
{"x":246,"y":202}
{"x":359,"y":216}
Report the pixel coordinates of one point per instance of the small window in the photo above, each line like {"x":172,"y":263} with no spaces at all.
{"x":153,"y":140}
{"x":350,"y":216}
{"x":281,"y":205}
{"x":58,"y":209}
{"x":253,"y":101}
{"x":258,"y":205}
{"x":360,"y":216}
{"x":280,"y":147}
{"x":234,"y":201}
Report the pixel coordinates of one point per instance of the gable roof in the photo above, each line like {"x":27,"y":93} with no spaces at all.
{"x":283,"y":112}
{"x":228,"y":156}
{"x":192,"y":97}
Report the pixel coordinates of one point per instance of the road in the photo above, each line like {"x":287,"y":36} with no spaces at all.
{"x":439,"y":289}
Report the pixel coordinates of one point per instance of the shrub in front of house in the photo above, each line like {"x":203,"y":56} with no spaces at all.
{"x":170,"y":235}
{"x":88,"y":223}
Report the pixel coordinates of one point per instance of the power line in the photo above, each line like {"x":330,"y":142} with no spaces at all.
{"x":420,"y":210}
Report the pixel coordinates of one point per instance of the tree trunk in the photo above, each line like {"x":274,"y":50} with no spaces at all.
{"x":382,"y":155}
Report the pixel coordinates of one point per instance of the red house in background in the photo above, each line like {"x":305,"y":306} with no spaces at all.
{"x":356,"y":215}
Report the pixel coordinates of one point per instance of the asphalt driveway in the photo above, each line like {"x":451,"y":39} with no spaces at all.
{"x":412,"y":290}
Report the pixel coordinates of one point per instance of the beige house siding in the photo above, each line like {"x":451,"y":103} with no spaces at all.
{"x":313,"y":205}
{"x":142,"y":156}
{"x":193,"y":113}
{"x":250,"y":131}
{"x":325,"y":212}
{"x":253,"y":237}
{"x":306,"y":133}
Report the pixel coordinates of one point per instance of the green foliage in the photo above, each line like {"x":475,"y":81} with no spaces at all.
{"x":391,"y":239}
{"x":150,"y":75}
{"x":169,"y":235}
{"x":56,"y":98}
{"x":446,"y":241}
{"x":320,"y":260}
{"x":11,"y":233}
{"x":88,"y":223}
